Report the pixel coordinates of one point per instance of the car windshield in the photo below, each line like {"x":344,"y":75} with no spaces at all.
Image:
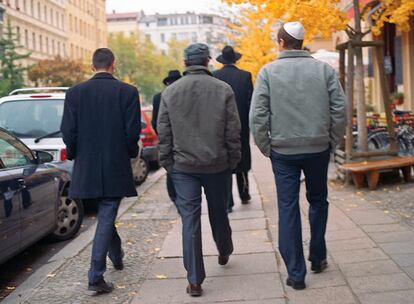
{"x":32,"y":118}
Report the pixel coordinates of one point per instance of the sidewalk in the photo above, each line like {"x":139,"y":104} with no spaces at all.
{"x":371,"y":255}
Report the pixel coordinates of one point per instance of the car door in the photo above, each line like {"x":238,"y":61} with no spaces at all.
{"x":9,"y":216}
{"x":36,"y":187}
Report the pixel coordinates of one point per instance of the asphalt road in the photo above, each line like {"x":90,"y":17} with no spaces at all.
{"x":16,"y":270}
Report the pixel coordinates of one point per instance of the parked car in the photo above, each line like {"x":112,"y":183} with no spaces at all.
{"x":34,"y":115}
{"x":151,"y":152}
{"x":33,"y":198}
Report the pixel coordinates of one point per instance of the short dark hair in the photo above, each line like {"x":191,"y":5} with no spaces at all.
{"x":103,"y":58}
{"x":198,"y":61}
{"x":291,"y":43}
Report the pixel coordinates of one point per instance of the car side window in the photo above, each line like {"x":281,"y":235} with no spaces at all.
{"x":13,"y":153}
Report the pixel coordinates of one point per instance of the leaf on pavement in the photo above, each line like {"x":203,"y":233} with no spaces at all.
{"x":161,"y":276}
{"x":51,"y":275}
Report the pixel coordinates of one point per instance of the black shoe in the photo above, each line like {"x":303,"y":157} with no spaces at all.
{"x":246,"y":200}
{"x":230,"y":210}
{"x":194,"y":290}
{"x":319,"y":267}
{"x":295,"y":285}
{"x":223,"y":260}
{"x":101,"y":287}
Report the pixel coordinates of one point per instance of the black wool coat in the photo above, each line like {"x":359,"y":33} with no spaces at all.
{"x":156,"y":102}
{"x":242,"y":85}
{"x":101,"y":127}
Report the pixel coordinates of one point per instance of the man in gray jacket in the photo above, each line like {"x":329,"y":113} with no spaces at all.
{"x":199,"y":132}
{"x":297,"y":117}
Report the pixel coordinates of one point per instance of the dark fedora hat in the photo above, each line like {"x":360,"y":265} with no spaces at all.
{"x":228,"y":55}
{"x":172,"y":76}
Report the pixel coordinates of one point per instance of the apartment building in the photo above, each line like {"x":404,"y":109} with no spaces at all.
{"x":2,"y":10}
{"x":204,"y":28}
{"x":160,"y":29}
{"x":87,"y":28}
{"x":125,"y":23}
{"x":40,"y":26}
{"x":48,"y":28}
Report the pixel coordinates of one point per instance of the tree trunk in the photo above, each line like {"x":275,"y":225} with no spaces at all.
{"x":359,"y":85}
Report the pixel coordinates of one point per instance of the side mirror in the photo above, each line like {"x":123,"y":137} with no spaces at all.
{"x":44,"y":157}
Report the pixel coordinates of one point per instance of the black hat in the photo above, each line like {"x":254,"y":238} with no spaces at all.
{"x":228,"y":55}
{"x":172,"y":76}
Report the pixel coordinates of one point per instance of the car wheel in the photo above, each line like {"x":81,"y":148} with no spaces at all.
{"x":141,"y":171}
{"x":69,"y":218}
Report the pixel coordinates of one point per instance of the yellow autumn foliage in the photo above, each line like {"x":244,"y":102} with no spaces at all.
{"x":256,"y":28}
{"x":393,"y":11}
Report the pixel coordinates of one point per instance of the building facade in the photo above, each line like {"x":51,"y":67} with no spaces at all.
{"x":40,"y":26}
{"x":125,"y":23}
{"x":160,"y":29}
{"x":87,"y":28}
{"x":49,"y":28}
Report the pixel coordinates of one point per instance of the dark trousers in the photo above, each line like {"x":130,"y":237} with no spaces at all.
{"x":170,"y":188}
{"x":242,"y":186}
{"x":188,"y":187}
{"x":107,"y":241}
{"x":287,"y":170}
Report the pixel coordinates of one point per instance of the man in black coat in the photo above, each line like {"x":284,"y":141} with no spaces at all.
{"x":173,"y":76}
{"x":242,"y":85}
{"x":101,"y":127}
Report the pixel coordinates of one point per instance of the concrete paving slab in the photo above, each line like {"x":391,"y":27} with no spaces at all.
{"x":325,"y":279}
{"x":344,"y":245}
{"x":380,"y":283}
{"x":409,"y":271}
{"x":394,"y":236}
{"x":403,"y":260}
{"x":394,"y":297}
{"x":367,"y":217}
{"x":248,"y":224}
{"x":369,"y":268}
{"x":384,"y":228}
{"x":244,"y":242}
{"x":398,"y":247}
{"x":360,"y":255}
{"x":344,"y":234}
{"x":268,"y":301}
{"x":330,"y":295}
{"x":238,"y":265}
{"x":223,"y":289}
{"x":251,"y":214}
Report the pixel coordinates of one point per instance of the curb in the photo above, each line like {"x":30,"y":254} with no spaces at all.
{"x":24,"y":290}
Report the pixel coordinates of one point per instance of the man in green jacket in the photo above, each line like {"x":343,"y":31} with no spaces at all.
{"x":297,"y":118}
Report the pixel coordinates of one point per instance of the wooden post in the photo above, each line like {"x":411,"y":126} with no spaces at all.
{"x":342,"y":67}
{"x":387,"y":99}
{"x":350,"y":104}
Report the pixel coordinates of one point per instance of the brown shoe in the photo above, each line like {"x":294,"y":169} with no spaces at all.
{"x":194,"y":290}
{"x":223,"y":260}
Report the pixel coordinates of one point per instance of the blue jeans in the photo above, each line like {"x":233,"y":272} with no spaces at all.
{"x":287,"y":170}
{"x":106,"y":241}
{"x":188,"y":188}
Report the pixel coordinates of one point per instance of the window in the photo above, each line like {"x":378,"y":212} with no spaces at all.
{"x":34,"y":41}
{"x":11,"y":152}
{"x":45,"y":13}
{"x":207,"y":20}
{"x":162,"y":21}
{"x":194,"y":37}
{"x":26,"y":38}
{"x":39,"y":11}
{"x":41,"y":43}
{"x":58,"y":48}
{"x":148,"y":37}
{"x":47,"y":45}
{"x":31,"y":7}
{"x":53,"y":47}
{"x":18,"y":34}
{"x":162,"y":37}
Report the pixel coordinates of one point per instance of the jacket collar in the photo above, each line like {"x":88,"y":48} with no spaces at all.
{"x":294,"y":54}
{"x":197,"y":69}
{"x":103,"y":75}
{"x":230,"y":66}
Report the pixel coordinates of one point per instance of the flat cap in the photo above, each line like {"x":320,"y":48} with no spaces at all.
{"x":196,"y":51}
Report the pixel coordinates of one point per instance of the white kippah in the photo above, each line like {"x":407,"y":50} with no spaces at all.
{"x":295,"y":29}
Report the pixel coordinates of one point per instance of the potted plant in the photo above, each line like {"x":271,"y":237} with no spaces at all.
{"x":397,"y":98}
